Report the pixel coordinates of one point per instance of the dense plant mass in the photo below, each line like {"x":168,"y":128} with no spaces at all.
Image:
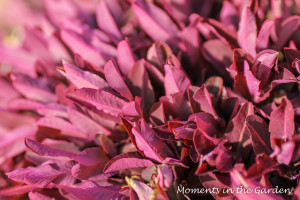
{"x":149,"y":99}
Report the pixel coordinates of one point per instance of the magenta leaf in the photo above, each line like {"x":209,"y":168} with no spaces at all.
{"x":223,"y":32}
{"x":38,"y":195}
{"x":17,"y":190}
{"x":203,"y":143}
{"x":78,"y":45}
{"x":127,"y":161}
{"x":13,"y":141}
{"x":239,"y":180}
{"x":126,"y":58}
{"x":35,"y":89}
{"x":155,"y":22}
{"x":286,"y":153}
{"x":244,"y":81}
{"x":229,"y":15}
{"x":7,"y":93}
{"x":291,"y":55}
{"x":263,"y":66}
{"x":237,"y":132}
{"x":140,"y":84}
{"x":37,"y":44}
{"x":291,"y":23}
{"x":115,"y":80}
{"x":91,"y":190}
{"x":219,"y":54}
{"x":61,"y":124}
{"x":175,"y":80}
{"x":91,"y":162}
{"x":82,"y":78}
{"x":57,"y":110}
{"x":91,"y":156}
{"x":107,"y":145}
{"x":45,"y":150}
{"x":148,"y":143}
{"x":157,"y":115}
{"x":259,"y":134}
{"x":262,"y":40}
{"x":176,"y":106}
{"x":102,"y":100}
{"x":194,"y":105}
{"x":133,"y":110}
{"x":214,"y":86}
{"x":247,"y":31}
{"x":45,"y":174}
{"x":106,"y":21}
{"x":202,"y":97}
{"x":19,"y":58}
{"x":158,"y":53}
{"x":155,"y":74}
{"x":84,"y":123}
{"x":282,"y":120}
{"x":92,"y":172}
{"x":213,"y":126}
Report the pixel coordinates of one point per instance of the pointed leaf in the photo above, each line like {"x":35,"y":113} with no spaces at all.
{"x":175,"y":80}
{"x":60,"y":124}
{"x":22,"y":61}
{"x":291,"y":55}
{"x":12,"y":142}
{"x":126,"y":57}
{"x":176,"y":106}
{"x":91,"y":156}
{"x":77,"y":44}
{"x":54,"y":109}
{"x":127,"y":161}
{"x":17,"y":190}
{"x":202,"y":96}
{"x":148,"y":143}
{"x":229,"y":15}
{"x":82,"y":78}
{"x":106,"y":21}
{"x":102,"y":100}
{"x":202,"y":142}
{"x":282,"y":120}
{"x":45,"y":150}
{"x":36,"y":89}
{"x":92,"y":172}
{"x":84,"y":123}
{"x":155,"y":22}
{"x":259,"y":134}
{"x":237,"y":132}
{"x":244,"y":81}
{"x":262,"y":40}
{"x":223,"y":32}
{"x":247,"y":31}
{"x":140,"y":85}
{"x":115,"y":79}
{"x":219,"y":54}
{"x":263,"y":65}
{"x":43,"y":175}
{"x":92,"y":191}
{"x":292,"y":24}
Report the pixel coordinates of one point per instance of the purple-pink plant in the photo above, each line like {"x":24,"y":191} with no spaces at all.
{"x":140,"y":99}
